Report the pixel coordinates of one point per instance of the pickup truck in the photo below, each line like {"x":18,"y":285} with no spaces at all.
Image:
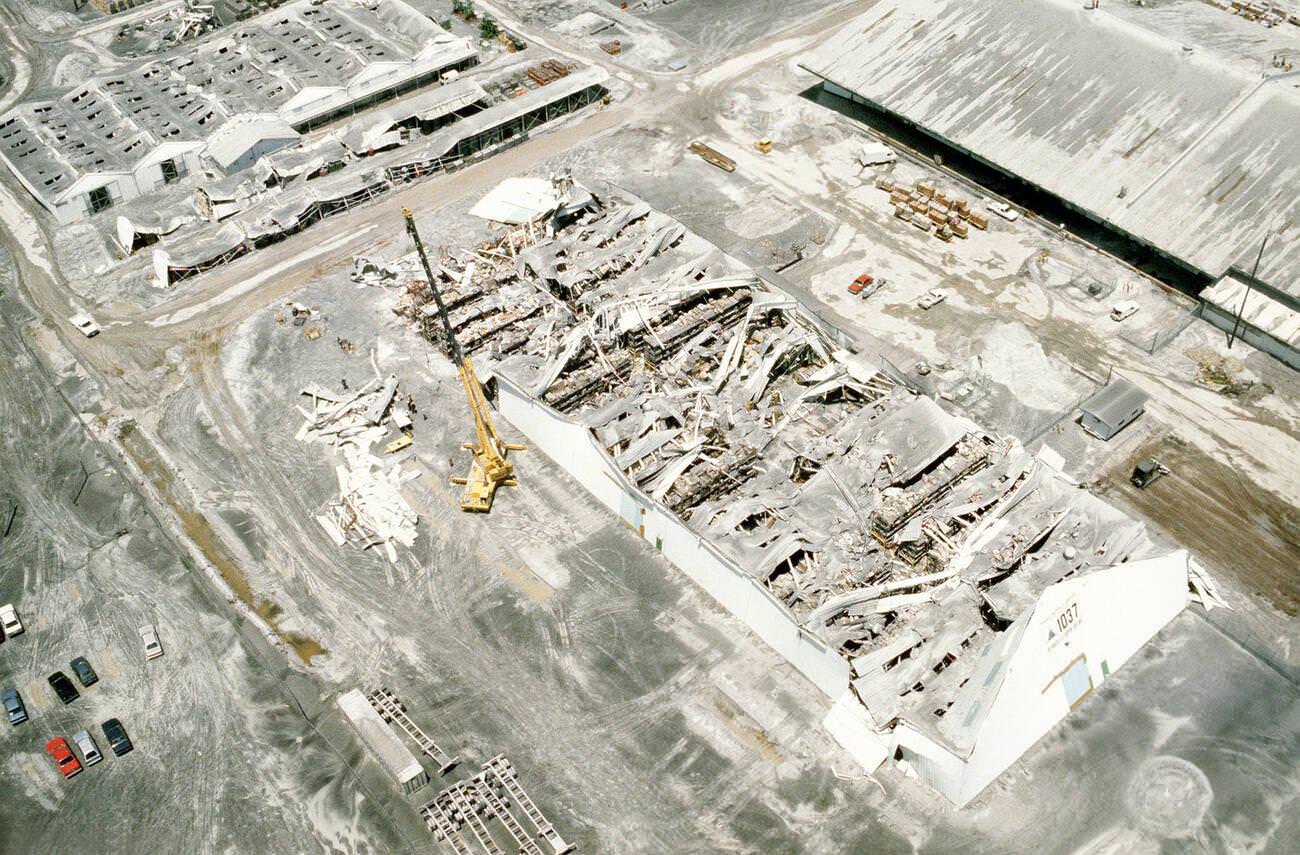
{"x":1123,"y":309}
{"x":932,"y":298}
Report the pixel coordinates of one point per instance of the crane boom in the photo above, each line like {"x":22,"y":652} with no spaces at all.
{"x":490,"y":468}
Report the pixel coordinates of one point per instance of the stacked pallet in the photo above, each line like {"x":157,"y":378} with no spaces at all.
{"x":547,"y":72}
{"x":930,"y":210}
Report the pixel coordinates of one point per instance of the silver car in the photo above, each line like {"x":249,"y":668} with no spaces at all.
{"x":86,"y":745}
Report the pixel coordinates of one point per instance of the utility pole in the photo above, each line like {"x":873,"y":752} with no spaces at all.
{"x":1236,"y":324}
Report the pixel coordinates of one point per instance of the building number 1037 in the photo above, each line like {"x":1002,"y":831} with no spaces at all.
{"x":1067,"y":618}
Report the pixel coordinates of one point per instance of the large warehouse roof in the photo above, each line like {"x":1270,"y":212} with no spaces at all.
{"x":300,"y":62}
{"x":1171,"y":123}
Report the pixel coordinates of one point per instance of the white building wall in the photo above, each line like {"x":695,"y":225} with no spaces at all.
{"x":574,"y":448}
{"x":1094,"y":622}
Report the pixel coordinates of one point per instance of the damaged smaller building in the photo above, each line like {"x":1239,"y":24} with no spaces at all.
{"x":221,"y":103}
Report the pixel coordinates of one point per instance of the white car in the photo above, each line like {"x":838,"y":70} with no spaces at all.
{"x":9,"y":620}
{"x":1003,"y":210}
{"x":1122,"y":310}
{"x":932,"y":298}
{"x":86,"y":745}
{"x":85,"y":323}
{"x":152,"y":646}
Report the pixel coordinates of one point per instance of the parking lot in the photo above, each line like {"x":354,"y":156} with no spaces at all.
{"x":214,"y":730}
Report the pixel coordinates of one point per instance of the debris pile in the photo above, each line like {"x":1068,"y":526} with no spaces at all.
{"x":889,"y":528}
{"x":370,"y":510}
{"x":169,"y":27}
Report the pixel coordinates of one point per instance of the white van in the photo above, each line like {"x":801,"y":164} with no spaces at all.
{"x":1122,"y":310}
{"x":85,"y":323}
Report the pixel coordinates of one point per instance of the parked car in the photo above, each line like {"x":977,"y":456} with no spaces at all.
{"x":856,"y":286}
{"x":86,"y":745}
{"x":9,"y":620}
{"x":865,"y":285}
{"x":13,"y":704}
{"x":152,"y":646}
{"x":85,"y":324}
{"x":81,"y":667}
{"x":63,"y":687}
{"x":63,"y":757}
{"x":1003,"y":210}
{"x":116,"y":736}
{"x":1123,"y":309}
{"x":932,"y":298}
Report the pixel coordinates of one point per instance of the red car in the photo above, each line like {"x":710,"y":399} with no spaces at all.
{"x":861,"y":282}
{"x":63,"y":757}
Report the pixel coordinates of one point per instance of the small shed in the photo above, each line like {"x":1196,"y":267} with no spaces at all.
{"x":1109,"y":411}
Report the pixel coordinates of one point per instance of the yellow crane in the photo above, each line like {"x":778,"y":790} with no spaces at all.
{"x":490,"y":467}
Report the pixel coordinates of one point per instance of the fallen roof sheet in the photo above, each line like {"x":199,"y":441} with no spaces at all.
{"x":518,"y":200}
{"x":365,"y":132}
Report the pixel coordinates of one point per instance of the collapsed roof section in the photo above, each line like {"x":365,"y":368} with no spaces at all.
{"x":894,"y":542}
{"x":296,"y":188}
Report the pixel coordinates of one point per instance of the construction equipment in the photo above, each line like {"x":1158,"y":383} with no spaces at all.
{"x":1146,"y":472}
{"x":764,"y":145}
{"x":490,"y":468}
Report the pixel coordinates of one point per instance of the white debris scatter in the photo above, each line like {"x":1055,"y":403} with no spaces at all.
{"x":370,"y":510}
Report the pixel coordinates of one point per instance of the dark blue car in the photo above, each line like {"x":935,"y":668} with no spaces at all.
{"x":13,"y":704}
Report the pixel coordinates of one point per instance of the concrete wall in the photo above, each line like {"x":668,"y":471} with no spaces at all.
{"x":575,"y":449}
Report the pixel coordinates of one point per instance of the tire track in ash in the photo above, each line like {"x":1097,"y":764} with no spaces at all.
{"x":322,"y":570}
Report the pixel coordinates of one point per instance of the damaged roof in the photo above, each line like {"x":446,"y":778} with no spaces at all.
{"x":902,"y":536}
{"x":294,"y":64}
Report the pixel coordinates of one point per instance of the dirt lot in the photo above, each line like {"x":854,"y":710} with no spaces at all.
{"x":1219,"y":513}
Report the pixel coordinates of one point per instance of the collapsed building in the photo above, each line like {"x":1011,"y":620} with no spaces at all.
{"x":223,"y":102}
{"x":1170,"y":126}
{"x":439,"y":131}
{"x":953,"y":595}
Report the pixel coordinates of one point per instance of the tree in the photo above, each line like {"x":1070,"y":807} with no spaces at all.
{"x":488,"y":29}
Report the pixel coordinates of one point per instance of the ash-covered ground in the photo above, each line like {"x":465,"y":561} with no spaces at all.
{"x":640,"y":717}
{"x":225,"y":757}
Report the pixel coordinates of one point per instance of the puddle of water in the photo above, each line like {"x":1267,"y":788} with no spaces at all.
{"x":199,"y":533}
